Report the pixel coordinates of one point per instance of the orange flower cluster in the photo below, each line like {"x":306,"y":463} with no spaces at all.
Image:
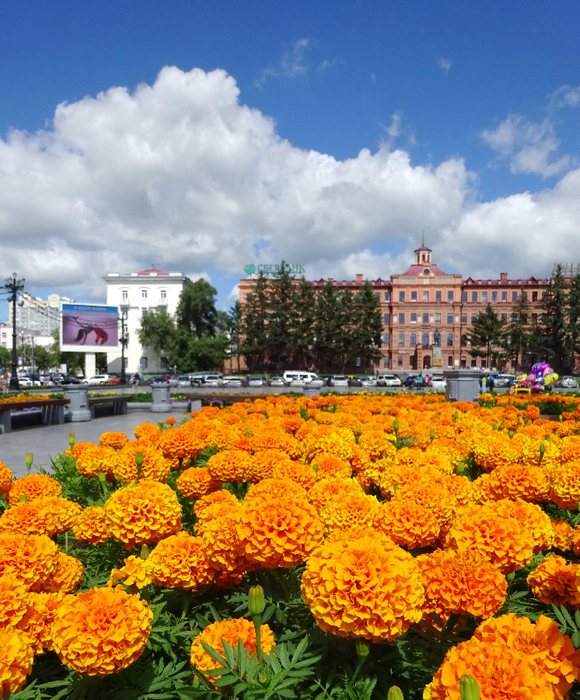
{"x":33,"y":486}
{"x":196,"y":482}
{"x":91,"y":526}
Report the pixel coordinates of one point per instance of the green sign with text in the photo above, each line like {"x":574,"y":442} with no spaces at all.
{"x":294,"y":269}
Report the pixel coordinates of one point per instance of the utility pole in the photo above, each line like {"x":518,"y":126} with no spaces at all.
{"x":13,"y":285}
{"x":124,"y":340}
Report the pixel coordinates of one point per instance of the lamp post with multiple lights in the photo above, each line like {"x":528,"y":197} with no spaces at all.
{"x":13,"y":285}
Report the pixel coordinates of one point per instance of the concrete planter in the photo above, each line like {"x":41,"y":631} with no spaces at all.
{"x":462,"y":384}
{"x":78,"y":408}
{"x":161,"y":398}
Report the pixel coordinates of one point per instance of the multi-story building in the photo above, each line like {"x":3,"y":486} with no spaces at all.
{"x":427,"y":312}
{"x":135,"y":293}
{"x":36,"y":320}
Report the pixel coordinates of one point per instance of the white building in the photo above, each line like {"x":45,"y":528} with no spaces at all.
{"x":134,"y":293}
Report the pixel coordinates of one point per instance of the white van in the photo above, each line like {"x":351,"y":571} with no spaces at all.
{"x":213,"y":380}
{"x":300,"y":378}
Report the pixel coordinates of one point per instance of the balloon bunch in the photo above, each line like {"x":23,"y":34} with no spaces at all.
{"x":539,"y":377}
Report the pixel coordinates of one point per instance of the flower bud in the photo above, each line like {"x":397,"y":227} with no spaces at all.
{"x":469,"y":688}
{"x":432,"y":434}
{"x":28,"y":461}
{"x":256,"y":600}
{"x":102,"y":477}
{"x":144,"y":552}
{"x":139,"y":459}
{"x":23,"y":498}
{"x":396,"y":425}
{"x":395,"y":693}
{"x":362,"y":648}
{"x":71,"y":441}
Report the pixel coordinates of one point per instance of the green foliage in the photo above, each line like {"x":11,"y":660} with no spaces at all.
{"x":487,"y":336}
{"x":5,"y":358}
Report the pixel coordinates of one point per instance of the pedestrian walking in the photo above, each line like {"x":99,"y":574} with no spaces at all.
{"x":5,"y":380}
{"x":136,"y":379}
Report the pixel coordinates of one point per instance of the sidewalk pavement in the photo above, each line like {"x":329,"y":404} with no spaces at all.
{"x":46,"y":441}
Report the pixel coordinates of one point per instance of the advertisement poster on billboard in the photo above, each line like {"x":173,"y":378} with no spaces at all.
{"x":89,"y":328}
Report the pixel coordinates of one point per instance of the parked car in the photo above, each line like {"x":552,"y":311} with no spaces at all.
{"x":299,"y":378}
{"x":166,"y":379}
{"x":338,"y":380}
{"x":97,"y":379}
{"x":438,"y":383}
{"x":502,"y":380}
{"x":368,"y":381}
{"x":69,"y":380}
{"x":567,"y":382}
{"x":26,"y":383}
{"x":354,"y":381}
{"x":115,"y":380}
{"x":256,"y":381}
{"x":388,"y":380}
{"x":213,"y":380}
{"x":277,"y":381}
{"x":234,"y":382}
{"x":184,"y":381}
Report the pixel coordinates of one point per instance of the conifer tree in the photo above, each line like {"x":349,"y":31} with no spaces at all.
{"x":487,"y":336}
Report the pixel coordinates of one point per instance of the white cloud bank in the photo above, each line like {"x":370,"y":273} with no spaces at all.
{"x":183,"y":175}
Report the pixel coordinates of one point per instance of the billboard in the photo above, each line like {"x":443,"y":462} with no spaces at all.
{"x":89,"y":328}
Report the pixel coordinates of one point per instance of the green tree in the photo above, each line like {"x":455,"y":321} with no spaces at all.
{"x":157,"y":331}
{"x":254,"y":322}
{"x":367,"y":327}
{"x":5,"y":358}
{"x":196,"y":310}
{"x":554,"y":322}
{"x":573,"y":302}
{"x":520,"y":334}
{"x":330,"y":332}
{"x":43,"y":359}
{"x":74,"y":361}
{"x":487,"y":336}
{"x":304,"y":325}
{"x":281,"y":344}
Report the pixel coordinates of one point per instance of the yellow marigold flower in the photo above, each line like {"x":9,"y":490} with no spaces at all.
{"x":265,"y":463}
{"x":432,"y":495}
{"x":554,"y":654}
{"x":408,"y":524}
{"x":570,"y":449}
{"x":338,"y":443}
{"x":33,"y":486}
{"x":349,"y":511}
{"x":205,"y":507}
{"x":377,"y":444}
{"x":461,"y":583}
{"x":291,"y":424}
{"x":531,"y":516}
{"x":554,"y":581}
{"x":231,"y":631}
{"x":363,"y":588}
{"x":495,"y":451}
{"x":135,"y":572}
{"x":28,"y":519}
{"x":501,"y":672}
{"x":302,"y":474}
{"x":64,"y":512}
{"x":330,"y":465}
{"x":68,"y":577}
{"x":114,"y":440}
{"x":147,"y":430}
{"x":330,"y":488}
{"x":272,"y":489}
{"x":230,"y":465}
{"x":154,"y":467}
{"x":563,"y":535}
{"x":566,"y":485}
{"x":278,"y":532}
{"x":14,"y":601}
{"x":102,"y":631}
{"x":360,"y":459}
{"x":400,"y":475}
{"x":90,"y":526}
{"x":196,"y":482}
{"x":503,"y":540}
{"x":519,"y":481}
{"x":143,"y":513}
{"x":181,"y":444}
{"x":6,"y":478}
{"x":16,"y":656}
{"x":483,"y":490}
{"x":79,"y":447}
{"x":37,"y":623}
{"x":180,"y":561}
{"x":222,"y":547}
{"x":460,"y":488}
{"x":32,"y":559}
{"x":97,"y":459}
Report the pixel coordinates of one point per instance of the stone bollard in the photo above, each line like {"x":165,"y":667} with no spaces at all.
{"x":161,"y":398}
{"x":310,"y":390}
{"x":78,"y":409}
{"x":195,"y":406}
{"x":462,"y":384}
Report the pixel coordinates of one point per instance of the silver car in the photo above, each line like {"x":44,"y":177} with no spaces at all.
{"x":388,"y":380}
{"x":338,"y":380}
{"x":256,"y":381}
{"x":277,"y":381}
{"x":568,"y":382}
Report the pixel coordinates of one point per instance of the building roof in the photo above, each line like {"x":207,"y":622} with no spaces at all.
{"x":418,"y":270}
{"x":152,"y":271}
{"x":423,"y":247}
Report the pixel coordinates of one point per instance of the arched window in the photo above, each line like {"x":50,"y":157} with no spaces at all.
{"x":413,"y":339}
{"x":425,"y":340}
{"x":449,"y":340}
{"x":401,"y":340}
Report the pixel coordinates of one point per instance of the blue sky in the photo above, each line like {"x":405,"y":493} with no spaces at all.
{"x":332,"y":134}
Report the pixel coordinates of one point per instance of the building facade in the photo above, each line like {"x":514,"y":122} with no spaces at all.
{"x":427,"y":312}
{"x":135,"y":293}
{"x":36,"y":320}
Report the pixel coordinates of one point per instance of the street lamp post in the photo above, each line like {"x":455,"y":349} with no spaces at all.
{"x":124,"y":340}
{"x":13,"y":285}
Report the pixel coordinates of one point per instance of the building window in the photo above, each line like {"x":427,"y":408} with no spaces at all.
{"x":474,"y":297}
{"x":449,"y":340}
{"x":473,"y":318}
{"x":413,"y":318}
{"x":413,"y":340}
{"x":494,"y":297}
{"x":387,"y":319}
{"x":524,"y":295}
{"x":514,"y":296}
{"x":357,"y":295}
{"x":534,"y":296}
{"x":425,"y":295}
{"x":401,"y":296}
{"x":484,"y":297}
{"x":425,"y":340}
{"x":474,"y":363}
{"x":463,"y":296}
{"x":163,"y":294}
{"x":450,"y":297}
{"x":514,"y":318}
{"x":378,"y":295}
{"x":504,"y":318}
{"x":438,"y":296}
{"x":413,"y":296}
{"x":124,"y":294}
{"x":163,"y":309}
{"x":544,"y":296}
{"x":143,"y":294}
{"x":504,"y":296}
{"x":449,"y":318}
{"x":386,"y":362}
{"x":400,"y":361}
{"x":143,"y":364}
{"x":425,"y":318}
{"x":463,"y":341}
{"x":387,"y":339}
{"x":534,"y":319}
{"x":401,"y":318}
{"x":450,"y":361}
{"x":387,"y":296}
{"x":463,"y":318}
{"x":401,"y":340}
{"x":437,"y":318}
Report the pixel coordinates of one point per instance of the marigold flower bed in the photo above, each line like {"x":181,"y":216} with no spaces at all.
{"x":388,"y":541}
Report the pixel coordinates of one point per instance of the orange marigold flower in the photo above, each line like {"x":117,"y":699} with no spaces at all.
{"x":135,"y":572}
{"x":37,"y":623}
{"x":231,"y":631}
{"x":272,"y":489}
{"x":33,"y":486}
{"x":265,"y":462}
{"x":338,"y":443}
{"x":431,"y":495}
{"x":16,"y":656}
{"x":302,"y":474}
{"x":79,"y":447}
{"x":278,"y":532}
{"x":222,"y":547}
{"x":363,"y":588}
{"x":68,"y":577}
{"x":90,"y":526}
{"x":170,"y":421}
{"x":566,"y":485}
{"x":6,"y":478}
{"x":563,"y":535}
{"x":148,"y":431}
{"x":330,"y":465}
{"x":554,"y":654}
{"x":196,"y":482}
{"x":520,"y":481}
{"x":349,"y":511}
{"x":408,"y":524}
{"x":460,"y":488}
{"x":399,"y":475}
{"x":142,"y":513}
{"x":102,"y":631}
{"x":377,"y":444}
{"x":180,"y":561}
{"x":14,"y":601}
{"x":495,"y":451}
{"x":64,"y":512}
{"x":154,"y":467}
{"x":230,"y":465}
{"x":531,"y":516}
{"x":28,"y":519}
{"x":461,"y":583}
{"x":97,"y":459}
{"x":181,"y":444}
{"x":32,"y":559}
{"x":360,"y":459}
{"x":114,"y":440}
{"x":554,"y":581}
{"x":332,"y":487}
